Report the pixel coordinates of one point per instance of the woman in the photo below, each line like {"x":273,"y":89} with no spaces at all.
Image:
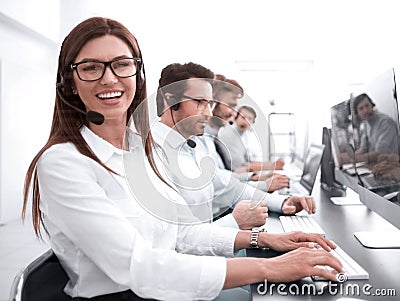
{"x":107,"y":243}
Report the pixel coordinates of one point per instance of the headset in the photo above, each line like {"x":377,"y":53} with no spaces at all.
{"x":174,"y":105}
{"x":62,"y":92}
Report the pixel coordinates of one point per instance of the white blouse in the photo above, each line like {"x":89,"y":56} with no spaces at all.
{"x":108,"y":240}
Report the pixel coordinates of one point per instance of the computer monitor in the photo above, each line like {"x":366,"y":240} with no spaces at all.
{"x":343,"y":150}
{"x":376,"y":141}
{"x":342,"y":133}
{"x":328,"y":180}
{"x":375,"y":119}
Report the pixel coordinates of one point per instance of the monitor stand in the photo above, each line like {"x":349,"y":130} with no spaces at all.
{"x":379,"y":240}
{"x":351,"y":198}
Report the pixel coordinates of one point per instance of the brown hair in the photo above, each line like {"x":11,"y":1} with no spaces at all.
{"x":225,"y":84}
{"x":248,"y":108}
{"x":67,"y":121}
{"x":177,"y":74}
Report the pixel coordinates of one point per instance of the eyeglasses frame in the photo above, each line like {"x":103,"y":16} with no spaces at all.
{"x":106,"y":64}
{"x":210,"y":103}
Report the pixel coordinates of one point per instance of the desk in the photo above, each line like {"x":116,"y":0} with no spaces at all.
{"x":339,"y":223}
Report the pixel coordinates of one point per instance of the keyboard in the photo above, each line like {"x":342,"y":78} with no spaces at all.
{"x":372,"y":182}
{"x":302,"y":223}
{"x":351,"y":269}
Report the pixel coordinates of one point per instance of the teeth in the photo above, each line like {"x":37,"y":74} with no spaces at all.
{"x":110,"y":95}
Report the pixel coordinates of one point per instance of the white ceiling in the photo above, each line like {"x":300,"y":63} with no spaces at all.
{"x":344,"y":42}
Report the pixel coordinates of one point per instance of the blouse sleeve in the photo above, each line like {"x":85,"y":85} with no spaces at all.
{"x":72,"y":199}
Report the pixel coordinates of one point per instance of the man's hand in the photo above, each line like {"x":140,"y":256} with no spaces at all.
{"x":295,"y":204}
{"x":258,"y":176}
{"x":279,"y":164}
{"x":277,"y":181}
{"x":250,"y":214}
{"x":387,"y":170}
{"x":274,"y":181}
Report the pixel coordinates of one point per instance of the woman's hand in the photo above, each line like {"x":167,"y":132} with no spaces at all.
{"x":302,"y":262}
{"x":283,"y":242}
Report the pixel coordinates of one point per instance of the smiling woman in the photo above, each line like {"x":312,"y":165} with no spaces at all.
{"x":110,"y":246}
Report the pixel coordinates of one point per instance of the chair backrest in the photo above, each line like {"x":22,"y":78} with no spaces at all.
{"x":43,"y":279}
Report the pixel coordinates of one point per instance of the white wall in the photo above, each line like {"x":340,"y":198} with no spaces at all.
{"x":39,"y":15}
{"x":346,"y":43}
{"x":27,"y":79}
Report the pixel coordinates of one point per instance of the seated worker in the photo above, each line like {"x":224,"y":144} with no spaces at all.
{"x":245,"y":118}
{"x":232,"y":149}
{"x":184,"y":103}
{"x":111,"y":247}
{"x":228,"y":91}
{"x":379,"y":140}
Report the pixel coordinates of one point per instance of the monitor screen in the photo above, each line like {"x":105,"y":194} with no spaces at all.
{"x":375,"y":120}
{"x":328,"y":180}
{"x":312,"y":163}
{"x":342,"y":135}
{"x":367,"y":152}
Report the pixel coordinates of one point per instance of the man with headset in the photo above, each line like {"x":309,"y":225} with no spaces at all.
{"x":184,"y":103}
{"x":227,"y":92}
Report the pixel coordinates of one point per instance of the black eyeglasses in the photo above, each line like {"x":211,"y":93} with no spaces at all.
{"x":89,"y":71}
{"x":202,"y":103}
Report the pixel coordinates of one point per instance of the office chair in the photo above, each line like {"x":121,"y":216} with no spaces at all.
{"x":42,"y":280}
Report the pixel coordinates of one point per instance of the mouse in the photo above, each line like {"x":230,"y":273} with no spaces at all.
{"x":393,"y":196}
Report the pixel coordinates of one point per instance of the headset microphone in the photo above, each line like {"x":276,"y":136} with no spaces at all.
{"x":191,"y":143}
{"x":95,"y":117}
{"x":91,"y":116}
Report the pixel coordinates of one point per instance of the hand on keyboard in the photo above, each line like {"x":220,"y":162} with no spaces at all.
{"x":302,"y":263}
{"x":351,"y":269}
{"x":295,"y":204}
{"x":307,"y":224}
{"x":293,"y":240}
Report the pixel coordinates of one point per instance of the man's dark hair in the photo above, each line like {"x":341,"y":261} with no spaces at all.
{"x":223,"y":84}
{"x":359,"y":99}
{"x":177,"y":74}
{"x":248,"y":108}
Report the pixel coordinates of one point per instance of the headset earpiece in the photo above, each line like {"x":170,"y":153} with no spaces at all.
{"x":141,"y":69}
{"x":62,"y":86}
{"x":173,"y":103}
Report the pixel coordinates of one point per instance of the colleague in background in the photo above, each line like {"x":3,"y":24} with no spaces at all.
{"x":108,"y":244}
{"x":243,"y":124}
{"x":379,"y":139}
{"x":184,"y":103}
{"x":233,"y":151}
{"x":227,"y":92}
{"x":184,"y":108}
{"x":244,"y":120}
